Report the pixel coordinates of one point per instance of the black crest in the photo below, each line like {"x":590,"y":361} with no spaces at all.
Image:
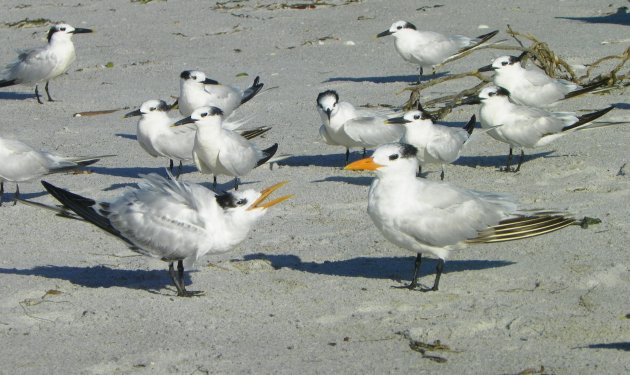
{"x":408,"y":25}
{"x":328,"y":93}
{"x":408,"y":151}
{"x":185,"y":74}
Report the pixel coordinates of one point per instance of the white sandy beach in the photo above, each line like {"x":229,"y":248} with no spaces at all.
{"x":310,"y":290}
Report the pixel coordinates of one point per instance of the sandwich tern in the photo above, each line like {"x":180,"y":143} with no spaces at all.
{"x":173,"y":221}
{"x":158,"y":138}
{"x":436,"y":144}
{"x":196,"y":90}
{"x":43,"y":63}
{"x":20,"y":162}
{"x":428,"y":48}
{"x":431,"y":217}
{"x":522,"y":126}
{"x":221,"y":151}
{"x":344,"y":125}
{"x":532,"y":87}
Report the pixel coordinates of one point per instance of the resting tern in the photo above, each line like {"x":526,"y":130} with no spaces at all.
{"x":532,"y":87}
{"x":436,"y":144}
{"x":158,"y":138}
{"x":522,"y":126}
{"x":428,"y":48}
{"x":198,"y":91}
{"x":430,"y":217}
{"x":20,"y":162}
{"x":344,"y":125}
{"x":220,"y":151}
{"x":173,"y":221}
{"x":43,"y":63}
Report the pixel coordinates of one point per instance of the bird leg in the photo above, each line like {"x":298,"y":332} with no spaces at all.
{"x":364,"y":151}
{"x":50,"y":99}
{"x":347,"y":155}
{"x":179,"y":170}
{"x":520,"y":161}
{"x":442,"y":174}
{"x":419,"y":171}
{"x":416,"y":271}
{"x":17,"y":194}
{"x":1,"y":191}
{"x":438,"y":272}
{"x":236,"y":182}
{"x":509,"y":161}
{"x":178,"y":280}
{"x":214,"y":182}
{"x":37,"y":95}
{"x":170,"y":165}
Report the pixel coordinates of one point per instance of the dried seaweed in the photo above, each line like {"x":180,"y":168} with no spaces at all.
{"x":540,"y":54}
{"x":27,"y":23}
{"x":314,"y":4}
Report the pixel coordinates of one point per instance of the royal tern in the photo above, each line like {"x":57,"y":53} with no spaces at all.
{"x":532,"y":87}
{"x":198,"y":91}
{"x":344,"y":125}
{"x":428,"y":48}
{"x":173,"y":221}
{"x":220,"y":151}
{"x":43,"y":63}
{"x":430,"y":217}
{"x":522,"y":126}
{"x":436,"y":144}
{"x":158,"y":138}
{"x":20,"y":162}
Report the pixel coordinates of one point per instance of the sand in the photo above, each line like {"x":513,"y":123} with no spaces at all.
{"x":310,"y":290}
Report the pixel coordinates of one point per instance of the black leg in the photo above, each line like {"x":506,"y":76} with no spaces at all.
{"x":364,"y":152}
{"x":1,"y":191}
{"x":37,"y":95}
{"x":442,"y":174}
{"x":179,"y":170}
{"x":214,"y":182}
{"x":178,"y":280}
{"x":438,"y":272}
{"x":50,"y":99}
{"x":17,"y":194}
{"x":416,"y":274}
{"x":347,"y":155}
{"x":520,"y":161}
{"x":236,"y":182}
{"x":419,"y":171}
{"x":170,"y":165}
{"x":509,"y":161}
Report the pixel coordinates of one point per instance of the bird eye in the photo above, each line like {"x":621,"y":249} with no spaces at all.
{"x":241,"y":202}
{"x":492,"y":93}
{"x":393,"y":157}
{"x":62,"y":28}
{"x":416,"y":117}
{"x":204,"y":114}
{"x":193,"y":77}
{"x":152,"y":109}
{"x":504,"y":63}
{"x":399,"y":27}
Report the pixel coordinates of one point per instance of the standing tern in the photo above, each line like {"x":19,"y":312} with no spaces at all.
{"x":430,"y":217}
{"x":198,"y":91}
{"x":532,"y":87}
{"x":428,"y":48}
{"x":220,"y":151}
{"x":158,"y":138}
{"x":522,"y":126}
{"x":173,"y":221}
{"x":43,"y":63}
{"x":344,"y":125}
{"x":20,"y":162}
{"x":436,"y":144}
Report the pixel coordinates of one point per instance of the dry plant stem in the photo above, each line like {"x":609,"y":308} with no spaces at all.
{"x":624,"y":57}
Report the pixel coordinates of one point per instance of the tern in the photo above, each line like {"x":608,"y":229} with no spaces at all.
{"x":344,"y":125}
{"x":427,"y":48}
{"x":532,"y":87}
{"x":43,"y":63}
{"x":436,"y":144}
{"x":431,"y":217}
{"x":220,"y":151}
{"x":158,"y":138}
{"x":22,"y":163}
{"x":171,"y":220}
{"x":198,"y":91}
{"x":525,"y":127}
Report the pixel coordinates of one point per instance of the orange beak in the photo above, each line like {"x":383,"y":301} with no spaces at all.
{"x":366,"y":164}
{"x":267,"y":192}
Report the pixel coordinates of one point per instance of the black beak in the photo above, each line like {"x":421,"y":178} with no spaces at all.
{"x":133,"y":114}
{"x":487,"y":68}
{"x":184,"y":121}
{"x":328,"y":113}
{"x":384,"y":33}
{"x":81,"y":31}
{"x":471,"y":100}
{"x":396,"y":120}
{"x":209,"y":81}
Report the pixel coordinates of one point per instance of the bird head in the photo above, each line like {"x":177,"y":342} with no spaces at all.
{"x":327,"y":102}
{"x":196,"y":77}
{"x":63,"y":31}
{"x":397,"y":28}
{"x":148,"y":107}
{"x":390,"y":158}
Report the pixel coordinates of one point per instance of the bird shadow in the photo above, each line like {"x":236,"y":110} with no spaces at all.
{"x":625,"y":346}
{"x":132,"y":137}
{"x":622,"y":105}
{"x":135,"y":172}
{"x":620,"y":17}
{"x":411,"y":79}
{"x":390,"y":268}
{"x":16,"y":95}
{"x":100,"y":276}
{"x":360,"y":181}
{"x":330,"y":160}
{"x":498,"y":160}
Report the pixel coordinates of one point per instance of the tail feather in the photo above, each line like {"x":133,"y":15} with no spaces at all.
{"x":482,"y":39}
{"x":85,"y":208}
{"x":253,"y":133}
{"x":251,"y":91}
{"x":8,"y":82}
{"x":587,"y":88}
{"x":268,"y":154}
{"x":524,"y":227}
{"x":470,"y":126}
{"x":585,"y":119}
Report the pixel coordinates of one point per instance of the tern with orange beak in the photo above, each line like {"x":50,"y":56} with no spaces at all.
{"x":173,"y":221}
{"x":430,"y":217}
